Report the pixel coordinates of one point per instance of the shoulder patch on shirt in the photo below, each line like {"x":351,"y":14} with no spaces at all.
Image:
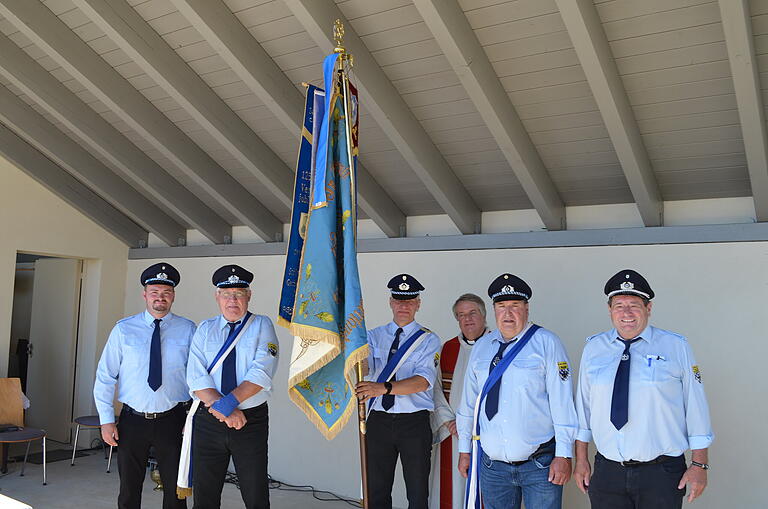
{"x":563,"y":370}
{"x":696,"y":373}
{"x":272,"y":347}
{"x":437,"y":358}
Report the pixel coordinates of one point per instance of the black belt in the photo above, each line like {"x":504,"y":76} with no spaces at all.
{"x":634,"y":463}
{"x":154,"y":415}
{"x":546,"y":447}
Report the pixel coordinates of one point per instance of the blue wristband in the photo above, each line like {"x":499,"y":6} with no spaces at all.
{"x":226,"y":405}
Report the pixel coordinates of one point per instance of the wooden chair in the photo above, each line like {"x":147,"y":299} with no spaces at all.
{"x":12,"y":412}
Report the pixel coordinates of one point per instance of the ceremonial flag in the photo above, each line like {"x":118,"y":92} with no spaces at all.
{"x":321,"y":301}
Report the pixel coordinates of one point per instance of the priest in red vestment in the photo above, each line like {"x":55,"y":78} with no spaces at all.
{"x":447,"y":485}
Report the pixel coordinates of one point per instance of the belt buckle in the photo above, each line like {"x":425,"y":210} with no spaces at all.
{"x":630,"y":463}
{"x":148,"y":415}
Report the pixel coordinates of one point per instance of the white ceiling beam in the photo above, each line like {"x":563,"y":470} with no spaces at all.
{"x":103,"y":138}
{"x":69,"y":155}
{"x":453,"y":33}
{"x":245,"y":56}
{"x":68,"y":188}
{"x":392,"y":113}
{"x":154,"y":56}
{"x":591,"y":44}
{"x":66,"y":48}
{"x":737,"y":25}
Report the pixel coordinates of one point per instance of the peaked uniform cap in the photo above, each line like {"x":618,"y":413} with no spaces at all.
{"x":232,"y":276}
{"x":628,"y":282}
{"x":404,"y":287}
{"x":162,"y":273}
{"x":509,"y":287}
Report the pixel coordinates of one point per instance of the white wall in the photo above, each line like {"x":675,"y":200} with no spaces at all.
{"x":33,"y":220}
{"x":715,"y":294}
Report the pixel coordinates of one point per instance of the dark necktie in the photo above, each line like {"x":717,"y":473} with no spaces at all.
{"x":492,"y":398}
{"x":155,"y":378}
{"x":620,"y":401}
{"x":388,"y":400}
{"x":228,"y":371}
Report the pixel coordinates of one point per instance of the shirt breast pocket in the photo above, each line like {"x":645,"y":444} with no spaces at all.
{"x":601,"y":370}
{"x":527,"y":374}
{"x":665,"y":372}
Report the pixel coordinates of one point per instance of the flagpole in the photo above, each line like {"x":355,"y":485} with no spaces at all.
{"x":346,"y":63}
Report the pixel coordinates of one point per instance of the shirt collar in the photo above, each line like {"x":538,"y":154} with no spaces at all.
{"x":468,"y":342}
{"x":496,"y":335}
{"x":224,"y":323}
{"x":150,"y":320}
{"x":646,"y":335}
{"x":407,"y":330}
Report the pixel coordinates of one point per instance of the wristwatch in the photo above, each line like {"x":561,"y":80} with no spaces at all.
{"x":388,"y":386}
{"x":705,"y":466}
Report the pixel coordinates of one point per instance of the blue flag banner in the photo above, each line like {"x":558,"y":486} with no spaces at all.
{"x":321,"y":301}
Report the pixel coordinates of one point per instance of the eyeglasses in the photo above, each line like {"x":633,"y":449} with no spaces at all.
{"x":233,"y":295}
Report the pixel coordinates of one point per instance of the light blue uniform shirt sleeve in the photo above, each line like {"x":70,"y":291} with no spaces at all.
{"x":582,"y":401}
{"x":465,"y":412}
{"x":699,"y":427}
{"x":559,"y":382}
{"x":265,"y":356}
{"x":197,"y":366}
{"x":107,"y":374}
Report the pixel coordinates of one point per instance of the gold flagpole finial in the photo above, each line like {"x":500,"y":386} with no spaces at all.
{"x":338,"y":36}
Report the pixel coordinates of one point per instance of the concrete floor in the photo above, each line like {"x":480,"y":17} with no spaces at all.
{"x":88,"y":486}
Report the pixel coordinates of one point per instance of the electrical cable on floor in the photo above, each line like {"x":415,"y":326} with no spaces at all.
{"x":274,"y":484}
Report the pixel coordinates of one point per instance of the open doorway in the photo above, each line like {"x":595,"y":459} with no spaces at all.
{"x":44,"y":335}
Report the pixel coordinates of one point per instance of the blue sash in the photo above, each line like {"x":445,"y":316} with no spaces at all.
{"x":493,"y":379}
{"x":395,"y":359}
{"x":230,"y":340}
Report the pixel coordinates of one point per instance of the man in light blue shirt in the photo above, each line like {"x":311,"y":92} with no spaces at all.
{"x":233,"y":421}
{"x":146,"y":358}
{"x":641,"y":399}
{"x":403,"y":363}
{"x":526,"y":420}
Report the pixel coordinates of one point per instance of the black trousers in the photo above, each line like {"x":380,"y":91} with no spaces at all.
{"x":389,"y":436}
{"x":213,"y":443}
{"x":136,"y":436}
{"x":648,"y":486}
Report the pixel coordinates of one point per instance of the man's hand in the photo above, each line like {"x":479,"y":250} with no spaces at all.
{"x":582,"y":473}
{"x":368,"y":390}
{"x":464,"y":460}
{"x":221,"y":417}
{"x":560,"y":471}
{"x":109,"y":434}
{"x":452,"y":428}
{"x":236,"y":420}
{"x":696,"y":479}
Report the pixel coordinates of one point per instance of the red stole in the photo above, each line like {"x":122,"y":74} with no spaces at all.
{"x":448,"y":358}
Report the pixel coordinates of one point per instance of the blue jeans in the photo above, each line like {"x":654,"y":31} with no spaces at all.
{"x":505,"y":486}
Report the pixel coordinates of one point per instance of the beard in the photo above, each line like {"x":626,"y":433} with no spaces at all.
{"x":160,"y":306}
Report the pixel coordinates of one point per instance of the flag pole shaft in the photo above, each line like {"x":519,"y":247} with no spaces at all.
{"x":361,"y":411}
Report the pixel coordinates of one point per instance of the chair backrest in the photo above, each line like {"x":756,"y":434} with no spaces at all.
{"x":11,"y":406}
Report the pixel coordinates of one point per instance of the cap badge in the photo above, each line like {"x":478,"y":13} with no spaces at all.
{"x":233,"y":279}
{"x":404,"y":286}
{"x":507,"y":289}
{"x":162,"y":275}
{"x":627,"y":285}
